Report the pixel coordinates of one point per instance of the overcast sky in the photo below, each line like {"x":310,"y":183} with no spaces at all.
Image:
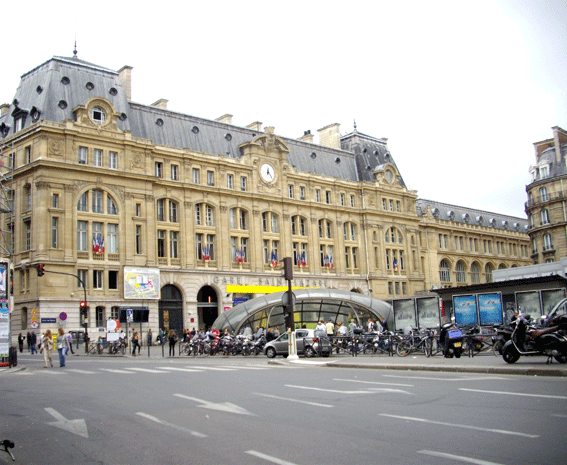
{"x":461,"y":89}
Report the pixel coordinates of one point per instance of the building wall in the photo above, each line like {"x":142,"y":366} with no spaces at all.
{"x":380,"y":245}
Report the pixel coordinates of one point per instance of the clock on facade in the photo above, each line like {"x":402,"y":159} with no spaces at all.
{"x":267,"y":172}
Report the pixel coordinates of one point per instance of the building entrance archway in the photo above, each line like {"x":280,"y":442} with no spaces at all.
{"x":207,"y":306}
{"x":171,"y":309}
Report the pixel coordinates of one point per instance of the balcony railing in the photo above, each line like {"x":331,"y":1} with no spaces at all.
{"x":538,"y":200}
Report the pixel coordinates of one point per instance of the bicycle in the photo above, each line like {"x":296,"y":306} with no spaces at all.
{"x":415,"y":342}
{"x":117,"y":347}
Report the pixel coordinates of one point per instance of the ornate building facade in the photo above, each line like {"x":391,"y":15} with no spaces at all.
{"x":547,"y":199}
{"x":130,"y":205}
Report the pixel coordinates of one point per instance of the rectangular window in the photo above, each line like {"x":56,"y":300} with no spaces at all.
{"x":347,"y":257}
{"x":138,"y":209}
{"x":113,"y":281}
{"x":302,"y":193}
{"x":54,"y":230}
{"x":97,"y":279}
{"x":27,"y":155}
{"x":290,"y":191}
{"x":82,"y":236}
{"x":159,"y":169}
{"x":398,"y":206}
{"x":173,"y":242}
{"x":160,"y":213}
{"x":243,"y":183}
{"x":384,"y":204}
{"x":55,"y":201}
{"x":98,"y":238}
{"x":210,"y":178}
{"x":174,"y":172}
{"x":97,"y":157}
{"x":97,"y":201}
{"x":138,"y":239}
{"x":161,"y":243}
{"x":195,"y":175}
{"x":198,"y":214}
{"x":328,"y":197}
{"x":83,"y":281}
{"x":83,"y":155}
{"x":112,"y":160}
{"x":100,"y":321}
{"x":112,"y":238}
{"x":27,"y":234}
{"x":391,"y":202}
{"x":230,"y":181}
{"x":342,"y":200}
{"x":317,"y":195}
{"x":352,"y":203}
{"x":172,"y":211}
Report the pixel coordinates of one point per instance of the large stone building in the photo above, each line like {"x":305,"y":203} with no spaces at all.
{"x":131,"y":205}
{"x":547,"y":199}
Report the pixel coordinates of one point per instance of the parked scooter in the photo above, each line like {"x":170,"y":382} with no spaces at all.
{"x":451,"y":340}
{"x":550,"y":340}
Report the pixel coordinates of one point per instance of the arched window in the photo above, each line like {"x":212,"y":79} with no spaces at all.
{"x":238,"y":218}
{"x":204,"y":215}
{"x":444,"y":271}
{"x":461,"y":273}
{"x":475,"y":273}
{"x":488,"y":272}
{"x":269,"y":222}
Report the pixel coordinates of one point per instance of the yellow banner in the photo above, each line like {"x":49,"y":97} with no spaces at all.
{"x":238,"y":289}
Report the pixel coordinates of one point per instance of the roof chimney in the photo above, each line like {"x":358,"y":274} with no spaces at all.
{"x":125,"y":79}
{"x":255,"y":126}
{"x":225,"y":119}
{"x":307,"y":136}
{"x":329,"y":136}
{"x":161,"y":103}
{"x":4,"y":109}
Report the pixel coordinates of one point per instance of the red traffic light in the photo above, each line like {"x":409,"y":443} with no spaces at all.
{"x":83,"y":304}
{"x":40,"y":270}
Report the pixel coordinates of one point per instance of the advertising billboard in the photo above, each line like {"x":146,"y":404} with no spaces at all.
{"x":141,"y":283}
{"x":490,"y":309}
{"x":465,"y":309}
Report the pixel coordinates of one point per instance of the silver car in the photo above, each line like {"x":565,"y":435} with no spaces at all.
{"x":307,"y":343}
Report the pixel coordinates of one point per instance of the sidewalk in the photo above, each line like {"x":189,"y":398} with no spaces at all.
{"x":483,"y":363}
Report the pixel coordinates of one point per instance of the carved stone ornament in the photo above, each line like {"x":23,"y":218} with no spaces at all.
{"x":56,"y":147}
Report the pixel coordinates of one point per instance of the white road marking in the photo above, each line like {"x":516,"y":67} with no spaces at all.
{"x":78,"y":427}
{"x":147,"y":370}
{"x":83,"y":372}
{"x":372,"y":382}
{"x":456,"y":425}
{"x":315,"y":404}
{"x":223,"y":407}
{"x":244,"y":367}
{"x":477,"y":378}
{"x":460,"y":458}
{"x":335,"y":391}
{"x":213,"y":368}
{"x":124,"y":372}
{"x":515,"y":394}
{"x":269,"y":458}
{"x":171,"y":425}
{"x":188,"y":370}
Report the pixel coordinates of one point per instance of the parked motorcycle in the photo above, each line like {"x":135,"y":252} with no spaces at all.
{"x":502,"y":336}
{"x":550,"y":340}
{"x":451,"y":340}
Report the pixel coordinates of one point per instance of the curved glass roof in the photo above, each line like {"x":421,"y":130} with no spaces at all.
{"x":311,"y":305}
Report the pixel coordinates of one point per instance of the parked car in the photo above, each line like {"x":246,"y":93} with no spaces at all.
{"x":308,"y":344}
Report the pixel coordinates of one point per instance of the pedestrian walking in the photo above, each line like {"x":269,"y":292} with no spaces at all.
{"x":21,"y":342}
{"x":172,"y":337}
{"x":135,"y":343}
{"x":62,"y":346}
{"x":33,"y":342}
{"x":70,"y":341}
{"x":28,"y":341}
{"x":47,"y":347}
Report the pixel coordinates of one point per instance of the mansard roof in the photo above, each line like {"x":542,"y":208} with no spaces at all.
{"x":464,"y":215}
{"x":55,"y":88}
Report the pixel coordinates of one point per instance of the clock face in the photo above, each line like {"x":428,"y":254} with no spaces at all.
{"x":267,"y":172}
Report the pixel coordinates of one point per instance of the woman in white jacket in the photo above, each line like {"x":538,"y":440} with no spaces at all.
{"x":47,"y":347}
{"x":62,"y":346}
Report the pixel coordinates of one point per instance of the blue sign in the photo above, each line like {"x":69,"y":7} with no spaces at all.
{"x":465,"y":309}
{"x":490,"y":309}
{"x":48,"y":320}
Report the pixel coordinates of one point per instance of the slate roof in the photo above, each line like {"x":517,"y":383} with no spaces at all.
{"x":56,"y":87}
{"x":457,"y":214}
{"x":555,"y":168}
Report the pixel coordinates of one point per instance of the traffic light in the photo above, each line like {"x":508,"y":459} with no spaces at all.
{"x":83,"y":313}
{"x":83,"y":305}
{"x":40,"y":270}
{"x":288,"y":268}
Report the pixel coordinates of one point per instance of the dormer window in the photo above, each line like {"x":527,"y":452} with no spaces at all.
{"x":98,"y":115}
